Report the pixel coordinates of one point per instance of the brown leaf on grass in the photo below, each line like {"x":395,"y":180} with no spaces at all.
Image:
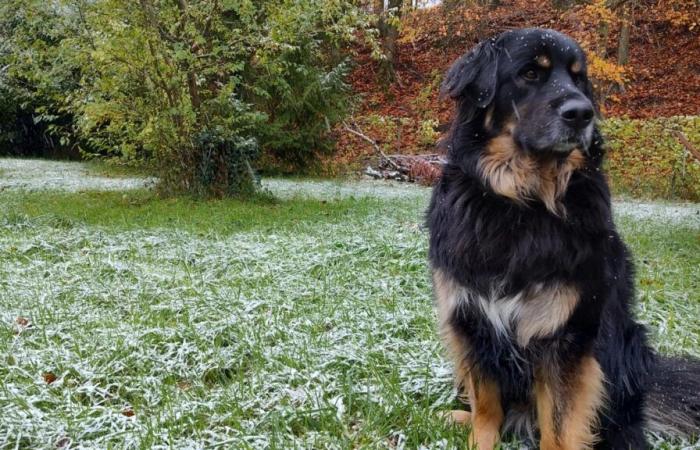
{"x":63,"y":442}
{"x":49,"y":377}
{"x":21,"y":324}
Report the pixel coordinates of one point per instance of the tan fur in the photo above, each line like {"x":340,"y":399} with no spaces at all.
{"x":544,"y":398}
{"x":459,"y":417}
{"x":576,"y":67}
{"x":488,"y":119}
{"x":484,"y":397}
{"x":519,"y":176}
{"x":576,"y":400}
{"x":447,"y":293}
{"x":544,"y":311}
{"x":487,"y":414}
{"x":544,"y":61}
{"x":587,"y":399}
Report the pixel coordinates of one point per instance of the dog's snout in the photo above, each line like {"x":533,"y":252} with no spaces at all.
{"x":577,"y":113}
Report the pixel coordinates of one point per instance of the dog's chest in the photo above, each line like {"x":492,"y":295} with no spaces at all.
{"x":537,"y":311}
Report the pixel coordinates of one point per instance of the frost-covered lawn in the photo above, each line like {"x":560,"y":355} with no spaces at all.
{"x":128,"y":321}
{"x":37,"y":174}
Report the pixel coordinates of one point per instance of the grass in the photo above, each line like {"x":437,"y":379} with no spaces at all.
{"x":301,"y":322}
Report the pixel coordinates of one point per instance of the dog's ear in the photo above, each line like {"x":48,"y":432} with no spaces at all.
{"x":473,"y":77}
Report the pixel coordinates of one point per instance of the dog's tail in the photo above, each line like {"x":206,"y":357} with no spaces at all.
{"x":673,"y":399}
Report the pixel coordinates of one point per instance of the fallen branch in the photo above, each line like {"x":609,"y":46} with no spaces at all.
{"x":686,"y":143}
{"x":363,"y":136}
{"x":423,"y":169}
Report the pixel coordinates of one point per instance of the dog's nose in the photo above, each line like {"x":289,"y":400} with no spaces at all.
{"x":576,"y":113}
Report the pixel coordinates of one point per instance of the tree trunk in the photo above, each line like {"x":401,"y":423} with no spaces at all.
{"x":623,"y":45}
{"x":389,"y":34}
{"x":192,"y":87}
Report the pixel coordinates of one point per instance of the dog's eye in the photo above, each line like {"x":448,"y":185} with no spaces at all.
{"x":531,"y":75}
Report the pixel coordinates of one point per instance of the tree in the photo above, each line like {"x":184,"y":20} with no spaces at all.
{"x":388,"y":13}
{"x":626,"y":19}
{"x":36,"y":79}
{"x":194,"y":89}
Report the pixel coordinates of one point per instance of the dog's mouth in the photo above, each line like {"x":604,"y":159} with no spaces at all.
{"x":553,"y":148}
{"x":564,"y":148}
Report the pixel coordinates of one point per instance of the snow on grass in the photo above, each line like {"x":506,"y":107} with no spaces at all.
{"x":336,"y":189}
{"x":250,"y":338}
{"x":39,"y":175}
{"x":660,"y":212}
{"x":669,"y":213}
{"x":33,"y":174}
{"x":315,"y":334}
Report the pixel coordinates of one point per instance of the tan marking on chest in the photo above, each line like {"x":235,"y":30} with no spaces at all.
{"x":544,"y":311}
{"x":535,"y":313}
{"x":519,"y":176}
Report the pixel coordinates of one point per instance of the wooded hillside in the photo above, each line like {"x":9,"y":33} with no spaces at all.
{"x":658,"y":75}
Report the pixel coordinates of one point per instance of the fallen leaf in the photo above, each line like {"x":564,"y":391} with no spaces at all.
{"x":49,"y":377}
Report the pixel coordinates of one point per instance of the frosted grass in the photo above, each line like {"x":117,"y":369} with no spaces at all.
{"x":240,"y":341}
{"x":34,"y":174}
{"x":314,"y":335}
{"x":42,"y":175}
{"x":262,"y":328}
{"x":339,"y":189}
{"x":660,"y":212}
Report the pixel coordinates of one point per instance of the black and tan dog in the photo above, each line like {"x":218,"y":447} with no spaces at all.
{"x":533,"y":284}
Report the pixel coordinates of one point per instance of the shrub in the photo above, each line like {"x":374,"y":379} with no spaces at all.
{"x":191,"y":88}
{"x":646,"y":159}
{"x":36,"y":80}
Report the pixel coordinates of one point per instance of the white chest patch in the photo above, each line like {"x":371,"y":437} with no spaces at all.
{"x":536,"y":312}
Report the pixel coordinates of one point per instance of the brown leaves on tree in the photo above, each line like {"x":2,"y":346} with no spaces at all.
{"x":406,"y":117}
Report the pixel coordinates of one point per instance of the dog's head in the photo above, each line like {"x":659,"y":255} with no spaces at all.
{"x":526,"y":114}
{"x":531,"y":83}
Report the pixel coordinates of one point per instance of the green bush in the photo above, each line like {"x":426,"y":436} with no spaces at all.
{"x":193,"y":89}
{"x":646,"y":158}
{"x":301,"y":80}
{"x":36,"y":81}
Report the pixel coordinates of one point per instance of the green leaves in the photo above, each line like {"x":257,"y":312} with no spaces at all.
{"x":168,"y":84}
{"x":647,"y":159}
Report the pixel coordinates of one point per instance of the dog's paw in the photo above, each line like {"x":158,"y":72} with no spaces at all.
{"x":457,"y":417}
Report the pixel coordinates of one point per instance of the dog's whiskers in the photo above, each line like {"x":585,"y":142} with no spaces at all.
{"x":515,"y":110}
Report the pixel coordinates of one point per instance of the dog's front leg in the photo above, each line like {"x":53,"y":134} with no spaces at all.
{"x":487,"y":412}
{"x":569,"y":400}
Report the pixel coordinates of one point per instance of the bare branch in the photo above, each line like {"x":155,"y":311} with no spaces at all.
{"x":688,"y":146}
{"x":371,"y":141}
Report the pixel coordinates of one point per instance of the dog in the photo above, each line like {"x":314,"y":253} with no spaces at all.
{"x":532,"y":282}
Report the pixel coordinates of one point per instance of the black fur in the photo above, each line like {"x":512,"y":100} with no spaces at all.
{"x":482,"y":240}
